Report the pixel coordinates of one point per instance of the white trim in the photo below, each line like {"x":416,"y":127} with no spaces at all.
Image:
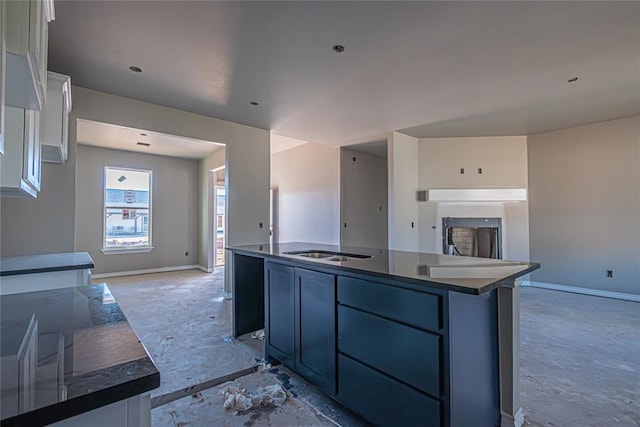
{"x":150,"y":270}
{"x":122,"y":251}
{"x":205,"y":269}
{"x":585,"y":291}
{"x":149,"y":209}
{"x":476,"y":194}
{"x":507,"y":420}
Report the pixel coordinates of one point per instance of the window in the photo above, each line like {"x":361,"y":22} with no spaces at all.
{"x":127,"y":209}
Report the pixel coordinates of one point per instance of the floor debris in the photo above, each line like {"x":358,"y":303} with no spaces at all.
{"x":240,"y":400}
{"x":259,"y":335}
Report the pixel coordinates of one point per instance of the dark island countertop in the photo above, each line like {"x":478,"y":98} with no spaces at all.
{"x":29,"y":264}
{"x":103,"y":359}
{"x":453,"y":273}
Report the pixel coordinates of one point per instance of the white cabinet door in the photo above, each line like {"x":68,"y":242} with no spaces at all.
{"x":26,"y":36}
{"x":2,"y":76}
{"x":31,"y":171}
{"x":20,"y":165}
{"x":55,"y":118}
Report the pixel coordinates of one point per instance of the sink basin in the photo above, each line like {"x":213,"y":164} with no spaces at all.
{"x":315,"y":255}
{"x":328,"y":255}
{"x":339,"y":258}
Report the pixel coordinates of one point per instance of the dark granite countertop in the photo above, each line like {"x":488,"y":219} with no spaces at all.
{"x":453,"y":273}
{"x":88,"y":355}
{"x":28,"y":264}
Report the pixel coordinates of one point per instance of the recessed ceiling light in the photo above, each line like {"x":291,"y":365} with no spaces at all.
{"x":253,"y":103}
{"x":572,"y":79}
{"x":135,"y":69}
{"x":144,"y":144}
{"x":338,"y":48}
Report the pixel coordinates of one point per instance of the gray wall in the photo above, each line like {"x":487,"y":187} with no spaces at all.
{"x":503,"y":160}
{"x":306,"y":180}
{"x":402,"y":183}
{"x":246,"y":153}
{"x":584,"y":209}
{"x":43,"y":225}
{"x":49,"y":225}
{"x":174,"y":209}
{"x":363,"y":199}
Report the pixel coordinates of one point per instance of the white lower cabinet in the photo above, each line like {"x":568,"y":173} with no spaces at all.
{"x":20,"y":165}
{"x":33,"y":282}
{"x":132,"y":412}
{"x":18,"y":362}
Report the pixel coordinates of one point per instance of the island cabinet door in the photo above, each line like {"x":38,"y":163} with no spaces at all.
{"x":279,"y":312}
{"x":315,"y":333}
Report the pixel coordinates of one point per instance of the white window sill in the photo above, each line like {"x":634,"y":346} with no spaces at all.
{"x":120,"y":251}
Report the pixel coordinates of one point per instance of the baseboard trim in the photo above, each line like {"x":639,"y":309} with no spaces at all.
{"x":508,"y":420}
{"x":149,"y":271}
{"x":205,"y":269}
{"x":584,"y":291}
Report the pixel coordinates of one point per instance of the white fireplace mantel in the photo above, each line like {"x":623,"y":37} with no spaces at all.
{"x":473,"y":195}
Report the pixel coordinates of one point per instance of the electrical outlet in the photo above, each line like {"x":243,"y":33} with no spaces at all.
{"x":461,"y":171}
{"x":609,"y":273}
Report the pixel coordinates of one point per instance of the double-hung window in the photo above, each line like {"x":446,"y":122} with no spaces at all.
{"x":127,"y":209}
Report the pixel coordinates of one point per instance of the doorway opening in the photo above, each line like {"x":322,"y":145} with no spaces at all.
{"x":219,"y":209}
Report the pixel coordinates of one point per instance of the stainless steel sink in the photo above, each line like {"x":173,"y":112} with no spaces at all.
{"x":340,"y":258}
{"x":315,"y":255}
{"x":328,"y":255}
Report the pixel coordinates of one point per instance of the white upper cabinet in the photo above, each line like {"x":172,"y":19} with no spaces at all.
{"x":20,"y":166}
{"x":55,"y":118}
{"x":27,"y":38}
{"x":2,"y":76}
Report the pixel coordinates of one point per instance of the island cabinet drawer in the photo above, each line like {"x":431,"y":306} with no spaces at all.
{"x":418,"y":309}
{"x":408,"y":354}
{"x":382,"y":400}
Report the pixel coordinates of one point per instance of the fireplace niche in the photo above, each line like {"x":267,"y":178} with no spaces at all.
{"x":473,"y":237}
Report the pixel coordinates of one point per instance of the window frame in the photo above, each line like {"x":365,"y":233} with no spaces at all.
{"x":132,"y":249}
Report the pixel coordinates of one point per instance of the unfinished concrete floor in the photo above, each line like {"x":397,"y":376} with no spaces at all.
{"x":579,"y":360}
{"x":580,"y":357}
{"x":185,"y":323}
{"x":305,"y":406}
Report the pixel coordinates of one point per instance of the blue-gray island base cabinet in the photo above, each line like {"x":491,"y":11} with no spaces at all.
{"x":401,"y":338}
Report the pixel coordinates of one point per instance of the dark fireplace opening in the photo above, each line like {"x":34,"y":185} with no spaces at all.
{"x":474,"y":237}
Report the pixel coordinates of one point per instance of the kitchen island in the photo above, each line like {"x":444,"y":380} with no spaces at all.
{"x":70,"y":358}
{"x":401,"y":338}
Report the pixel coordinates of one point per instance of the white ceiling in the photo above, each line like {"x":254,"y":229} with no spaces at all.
{"x":106,"y":135}
{"x":281,"y":143}
{"x":431,"y":69}
{"x":124,"y":138}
